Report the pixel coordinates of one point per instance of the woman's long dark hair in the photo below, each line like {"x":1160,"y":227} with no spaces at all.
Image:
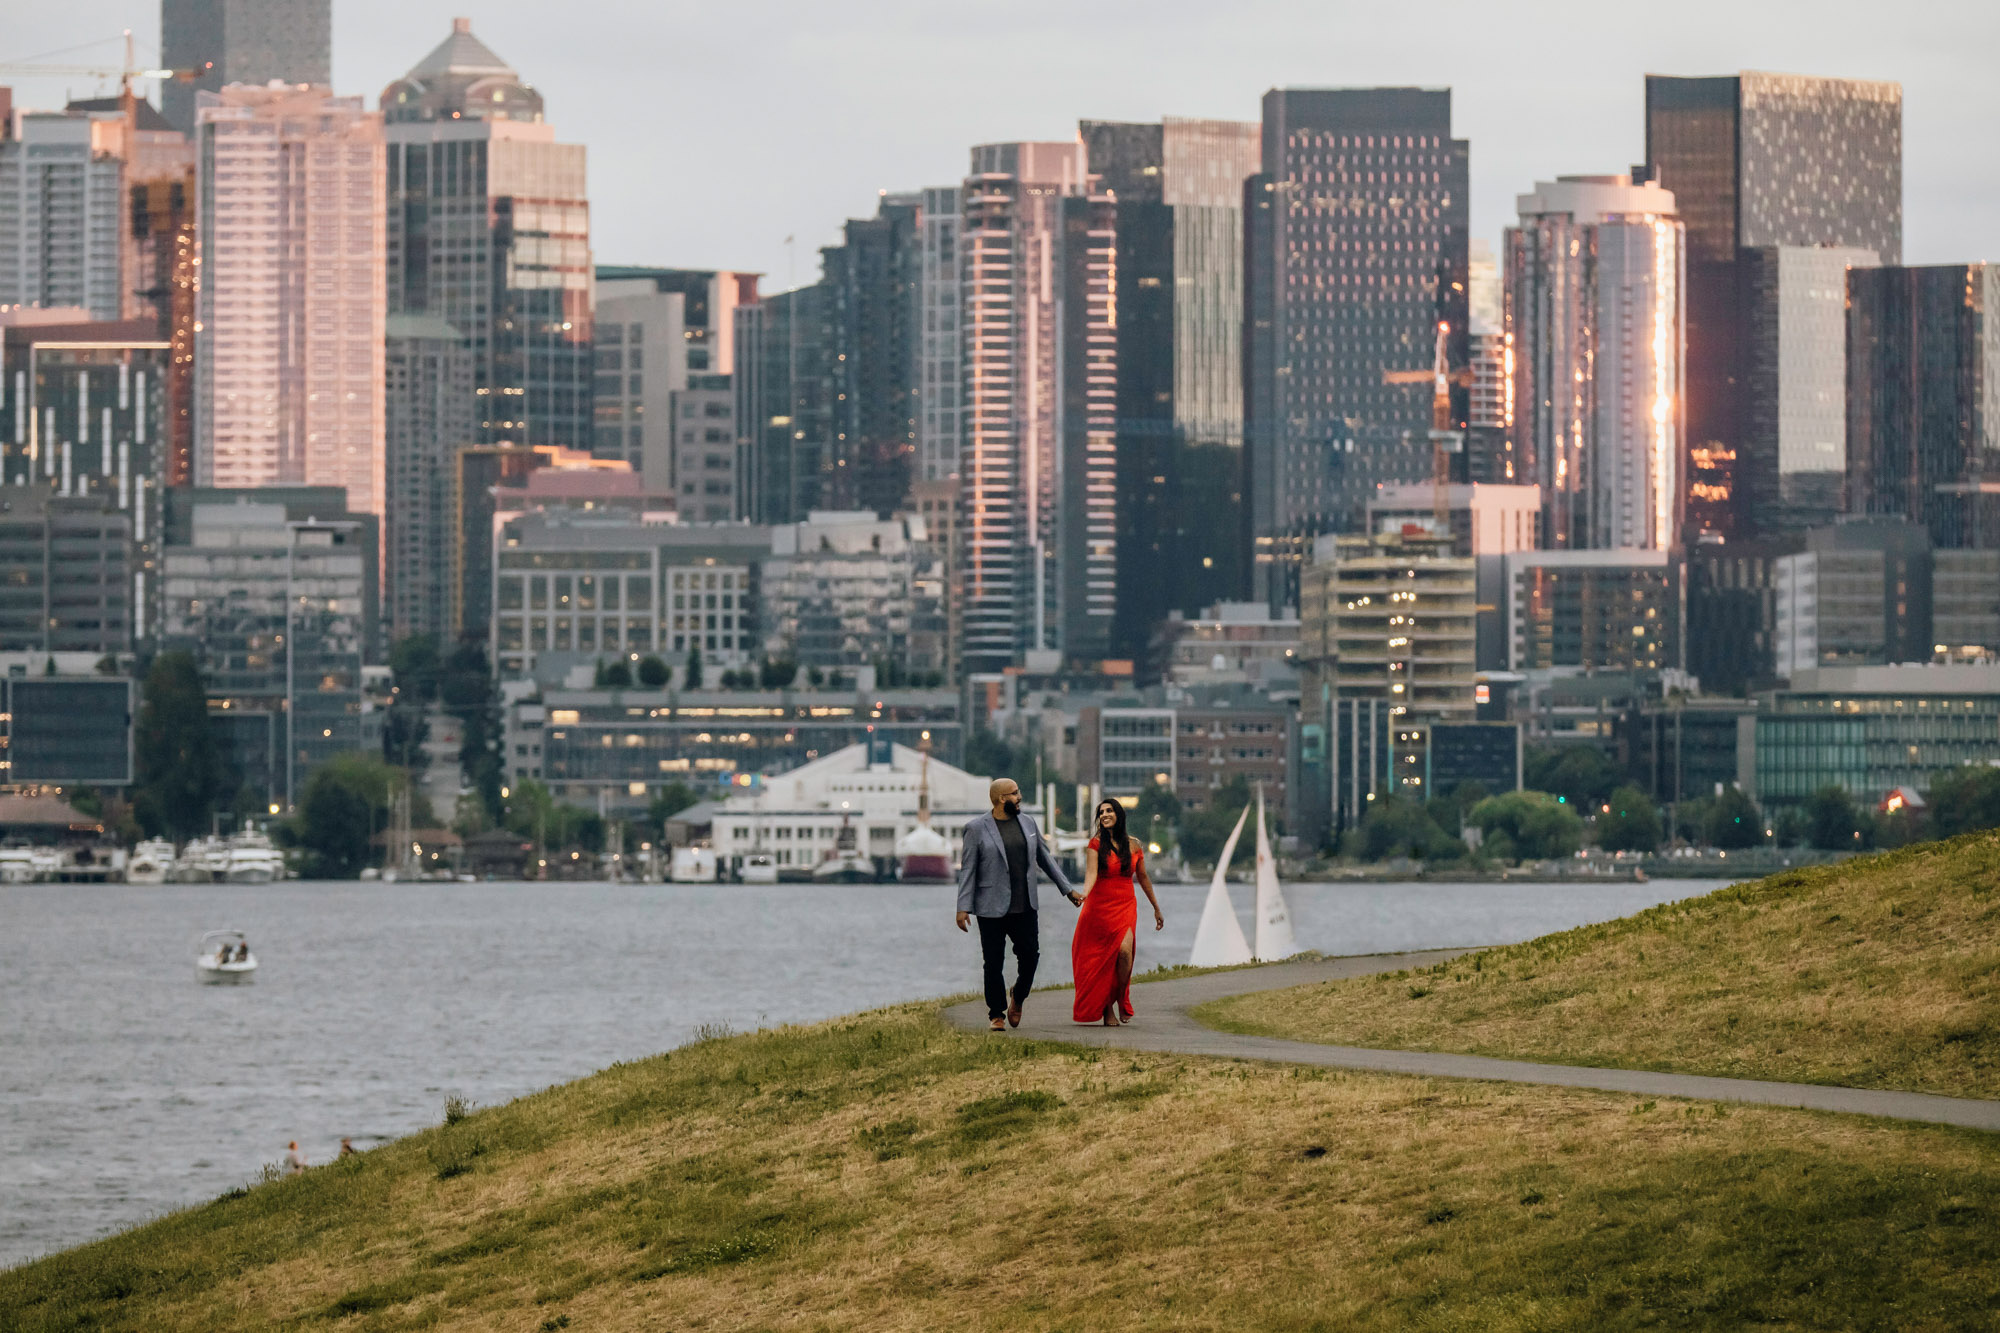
{"x":1117,"y":839}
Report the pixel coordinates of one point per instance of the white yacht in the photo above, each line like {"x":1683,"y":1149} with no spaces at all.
{"x":223,"y":958}
{"x":202,"y":861}
{"x":24,"y":865}
{"x":692,"y":865}
{"x":759,"y":868}
{"x":249,"y":858}
{"x":150,"y":862}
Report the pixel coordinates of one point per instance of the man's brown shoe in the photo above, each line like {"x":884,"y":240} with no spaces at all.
{"x":1014,"y":1014}
{"x":998,"y":1025}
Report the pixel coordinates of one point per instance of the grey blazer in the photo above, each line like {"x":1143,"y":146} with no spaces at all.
{"x":984,"y":888}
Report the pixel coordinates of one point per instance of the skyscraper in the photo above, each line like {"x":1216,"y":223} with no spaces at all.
{"x":1177,"y":188}
{"x":241,"y":41}
{"x":1923,"y":402}
{"x":1355,"y":251}
{"x":430,"y":417}
{"x":940,"y":427}
{"x":289,"y":311}
{"x":785,"y":386}
{"x":1038,"y":474}
{"x":1593,"y":315}
{"x":655,"y":328}
{"x":1767,"y":162}
{"x":874,"y":282}
{"x":489,"y":230}
{"x":63,"y":213}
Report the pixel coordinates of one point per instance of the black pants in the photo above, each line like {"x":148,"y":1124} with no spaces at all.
{"x":1024,"y":929}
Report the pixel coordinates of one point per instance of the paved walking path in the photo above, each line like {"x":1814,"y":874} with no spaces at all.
{"x":1163,"y":1025}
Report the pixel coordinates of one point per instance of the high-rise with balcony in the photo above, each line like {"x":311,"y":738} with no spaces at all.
{"x":1783,"y":181}
{"x":1355,"y":250}
{"x":241,"y":41}
{"x":290,"y":323}
{"x":941,"y":363}
{"x":62,"y":212}
{"x":1178,"y":192}
{"x":1038,"y":474}
{"x":1593,"y":317}
{"x":489,"y":230}
{"x":874,"y":282}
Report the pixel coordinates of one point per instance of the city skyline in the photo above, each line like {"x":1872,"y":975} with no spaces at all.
{"x":848,"y":128}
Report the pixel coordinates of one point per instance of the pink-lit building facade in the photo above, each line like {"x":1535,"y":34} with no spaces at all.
{"x":290,"y":301}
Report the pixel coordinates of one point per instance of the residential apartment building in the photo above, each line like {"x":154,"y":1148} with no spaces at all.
{"x":658,"y":330}
{"x":941,"y":373}
{"x":845,"y":589}
{"x":66,"y":578}
{"x":429,"y":416}
{"x":874,"y":282}
{"x":63,"y":218}
{"x":1595,"y":610}
{"x":1355,"y":251}
{"x":1593,"y":315}
{"x":291,"y":322}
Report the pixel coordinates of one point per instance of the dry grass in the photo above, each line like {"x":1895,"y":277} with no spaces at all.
{"x":1880,"y":973}
{"x":885,"y":1173}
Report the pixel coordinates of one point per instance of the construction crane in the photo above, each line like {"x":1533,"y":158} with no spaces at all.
{"x":1445,"y":440}
{"x":124,"y":75}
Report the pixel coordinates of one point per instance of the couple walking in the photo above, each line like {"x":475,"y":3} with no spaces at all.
{"x":996,"y":883}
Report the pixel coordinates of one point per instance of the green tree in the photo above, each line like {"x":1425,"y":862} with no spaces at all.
{"x":182,"y":772}
{"x":778,"y":674}
{"x":667,"y":802}
{"x":1534,"y":825}
{"x":1734,"y":822}
{"x":1632,"y":824}
{"x":1965,"y":799}
{"x":1581,"y":774}
{"x":815,"y":677}
{"x":1398,"y":827}
{"x":693,"y":675}
{"x":653,"y":673}
{"x":1156,"y":814}
{"x":416,"y":664}
{"x":345,"y":804}
{"x":613,"y":675}
{"x":1832,"y":820}
{"x":1202,"y":832}
{"x":466,"y":690}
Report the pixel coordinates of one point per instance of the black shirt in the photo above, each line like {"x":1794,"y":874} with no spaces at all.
{"x":1016,"y":844}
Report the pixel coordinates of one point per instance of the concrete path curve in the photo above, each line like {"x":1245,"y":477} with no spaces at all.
{"x":1163,"y":1025}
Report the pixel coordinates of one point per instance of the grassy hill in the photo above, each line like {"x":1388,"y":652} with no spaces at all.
{"x":1877,"y":973}
{"x":885,"y":1173}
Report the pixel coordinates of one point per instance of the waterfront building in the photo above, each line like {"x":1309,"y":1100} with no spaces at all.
{"x":278,"y":611}
{"x":1391,"y":617}
{"x":1594,"y":319}
{"x":489,"y":230}
{"x":63,"y":218}
{"x":1773,"y":163}
{"x":1355,"y":252}
{"x":290,"y":320}
{"x":877,"y":788}
{"x":1923,"y":403}
{"x":66,"y":724}
{"x":1038,"y":475}
{"x":1873,"y":729}
{"x":1682,"y":748}
{"x":1594,"y":610}
{"x":1177,"y":188}
{"x":240,"y":41}
{"x":429,"y":416}
{"x":1873,"y":592}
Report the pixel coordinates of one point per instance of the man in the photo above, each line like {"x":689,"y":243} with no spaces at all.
{"x":996,"y":883}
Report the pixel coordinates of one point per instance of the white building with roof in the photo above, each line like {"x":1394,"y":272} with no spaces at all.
{"x":876,"y":788}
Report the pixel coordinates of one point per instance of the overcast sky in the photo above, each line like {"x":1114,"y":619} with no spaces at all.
{"x":718,"y":129}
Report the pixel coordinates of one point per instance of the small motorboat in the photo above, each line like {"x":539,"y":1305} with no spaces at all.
{"x":224,"y":959}
{"x":845,"y":864}
{"x":150,"y":862}
{"x":759,"y":868}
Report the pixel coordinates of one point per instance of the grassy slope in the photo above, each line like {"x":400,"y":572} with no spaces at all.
{"x":1880,"y":973}
{"x":884,"y":1173}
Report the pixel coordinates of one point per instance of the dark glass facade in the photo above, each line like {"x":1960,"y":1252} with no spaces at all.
{"x":873,"y":284}
{"x":1359,"y":255}
{"x":1923,"y":436}
{"x":787,"y":387}
{"x":241,"y":41}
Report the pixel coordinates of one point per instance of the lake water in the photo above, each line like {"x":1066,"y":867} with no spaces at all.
{"x":127,"y":1089}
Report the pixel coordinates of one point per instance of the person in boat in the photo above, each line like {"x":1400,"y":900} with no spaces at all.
{"x":243,"y":951}
{"x":1107,"y":930}
{"x":996,"y":882}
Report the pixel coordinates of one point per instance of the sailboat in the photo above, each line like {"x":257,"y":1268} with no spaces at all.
{"x":1219,"y":940}
{"x":1274,"y":922}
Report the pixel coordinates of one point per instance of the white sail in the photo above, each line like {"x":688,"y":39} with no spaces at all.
{"x":1274,"y":923}
{"x":1218,"y":940}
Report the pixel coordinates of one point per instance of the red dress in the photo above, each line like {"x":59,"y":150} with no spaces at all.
{"x":1110,"y":913}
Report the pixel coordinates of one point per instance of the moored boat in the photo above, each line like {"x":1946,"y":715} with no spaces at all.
{"x":249,"y":858}
{"x":150,"y":863}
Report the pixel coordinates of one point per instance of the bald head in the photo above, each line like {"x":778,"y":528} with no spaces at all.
{"x":1005,"y":794}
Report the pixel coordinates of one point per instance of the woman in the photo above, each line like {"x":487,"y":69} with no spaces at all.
{"x":1100,"y":954}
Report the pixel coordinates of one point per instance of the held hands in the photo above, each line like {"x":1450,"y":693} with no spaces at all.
{"x":1075,"y":898}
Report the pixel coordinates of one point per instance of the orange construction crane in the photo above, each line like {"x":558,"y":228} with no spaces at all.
{"x":1445,"y":440}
